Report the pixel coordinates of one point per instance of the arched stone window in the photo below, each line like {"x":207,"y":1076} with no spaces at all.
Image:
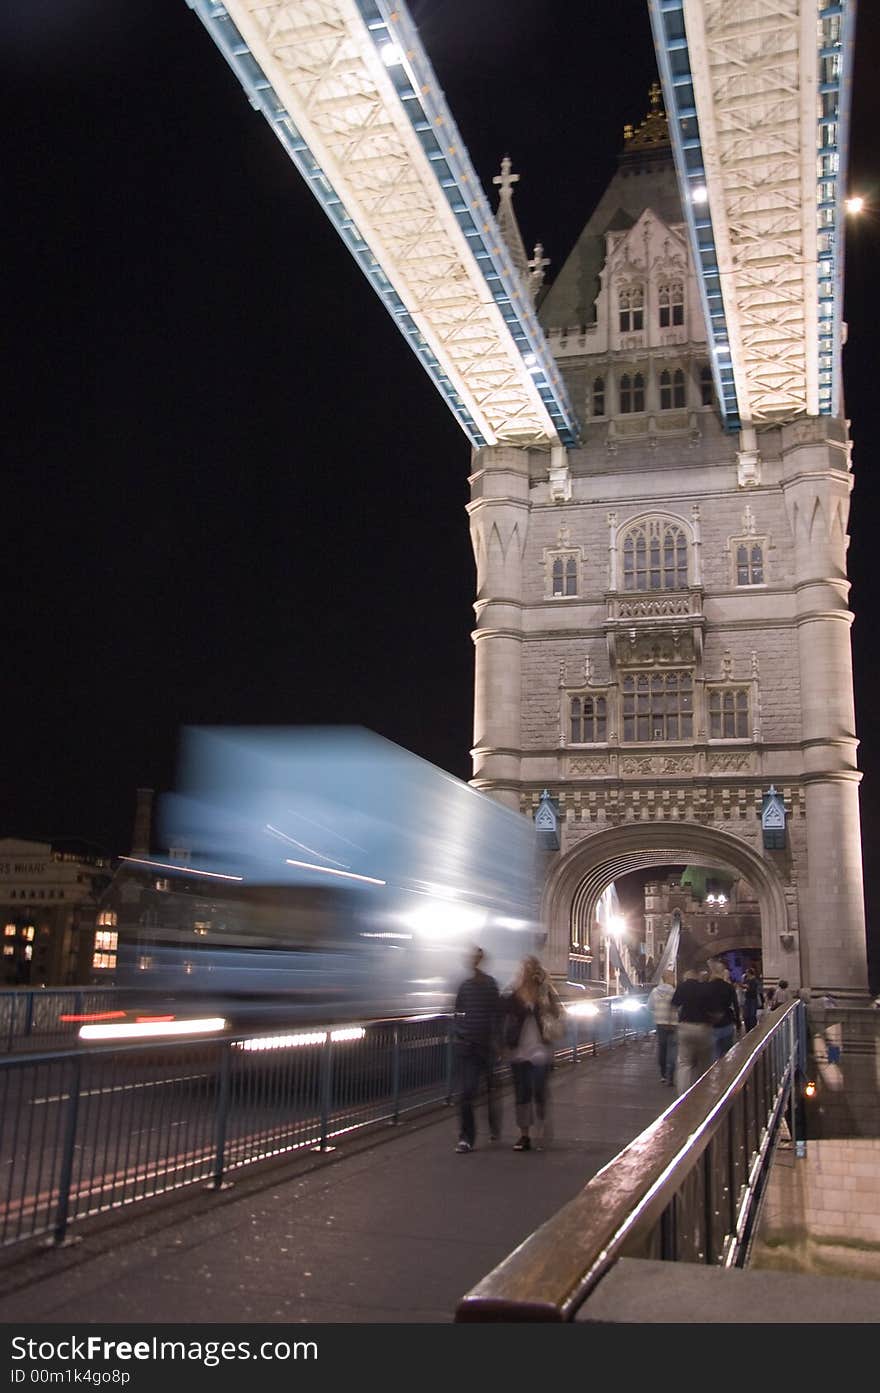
{"x":631,"y":304}
{"x":655,"y":556}
{"x":729,"y":713}
{"x":707,"y":387}
{"x":658,"y":706}
{"x":565,"y":575}
{"x":632,"y":393}
{"x":588,"y":721}
{"x":598,"y":396}
{"x":750,"y":563}
{"x":671,"y":302}
{"x":671,"y":389}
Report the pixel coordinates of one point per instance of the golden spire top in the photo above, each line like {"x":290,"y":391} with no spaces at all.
{"x":654,"y":130}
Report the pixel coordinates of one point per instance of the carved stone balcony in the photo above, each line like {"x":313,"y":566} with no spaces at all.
{"x":654,"y":627}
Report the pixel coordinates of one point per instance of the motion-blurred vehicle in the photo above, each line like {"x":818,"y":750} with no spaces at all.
{"x":323,"y":874}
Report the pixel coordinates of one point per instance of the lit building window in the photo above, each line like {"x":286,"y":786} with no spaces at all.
{"x":729,"y":713}
{"x":749,"y":563}
{"x":632,"y":394}
{"x":599,"y":396}
{"x":201,"y":927}
{"x":671,"y":389}
{"x":631,"y":304}
{"x":28,"y":933}
{"x":10,"y":931}
{"x":107,"y":917}
{"x":671,"y":301}
{"x":106,"y":943}
{"x":163,"y":884}
{"x":707,"y":387}
{"x":8,"y":950}
{"x":28,"y":951}
{"x":655,"y":557}
{"x":588,"y":720}
{"x":658,"y":706}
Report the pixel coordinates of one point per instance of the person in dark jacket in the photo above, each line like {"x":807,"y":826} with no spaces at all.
{"x":475,"y":1036}
{"x":723,"y":1009}
{"x":751,"y":998}
{"x":694,"y":1039}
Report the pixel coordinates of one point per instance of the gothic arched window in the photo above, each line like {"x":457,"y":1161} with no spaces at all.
{"x":588,"y":720}
{"x":707,"y":386}
{"x":599,"y":396}
{"x":565,"y":575}
{"x":750,"y":563}
{"x":632,"y":393}
{"x":631,"y":304}
{"x":729,"y":713}
{"x":658,"y":706}
{"x":671,"y":301}
{"x":671,"y":389}
{"x":655,"y":557}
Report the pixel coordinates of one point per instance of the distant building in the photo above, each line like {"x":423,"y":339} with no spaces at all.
{"x":50,"y":934}
{"x":720,"y":918}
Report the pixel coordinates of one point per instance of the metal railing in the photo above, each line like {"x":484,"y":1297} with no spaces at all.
{"x":46,"y":1016}
{"x":688,"y":1189}
{"x":89,"y":1130}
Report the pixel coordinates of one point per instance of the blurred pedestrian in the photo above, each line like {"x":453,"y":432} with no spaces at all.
{"x":475,"y":1035}
{"x":693,"y":1035}
{"x":751,"y":998}
{"x":665,"y":1022}
{"x":723,"y":1008}
{"x":534,"y":1018}
{"x":779,"y":996}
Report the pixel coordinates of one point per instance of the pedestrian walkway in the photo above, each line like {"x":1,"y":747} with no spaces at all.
{"x":389,"y":1228}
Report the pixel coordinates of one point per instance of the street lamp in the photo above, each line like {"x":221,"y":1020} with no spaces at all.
{"x":614,"y":929}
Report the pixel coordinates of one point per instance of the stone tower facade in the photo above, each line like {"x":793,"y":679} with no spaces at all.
{"x":662,"y":622}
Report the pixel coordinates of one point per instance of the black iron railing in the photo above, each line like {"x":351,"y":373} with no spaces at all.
{"x":88,"y":1130}
{"x":689,"y":1188}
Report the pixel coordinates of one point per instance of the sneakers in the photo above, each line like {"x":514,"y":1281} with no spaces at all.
{"x":464,"y":1146}
{"x":524,"y":1144}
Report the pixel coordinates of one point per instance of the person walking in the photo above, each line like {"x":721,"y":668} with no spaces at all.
{"x":694,"y":1040}
{"x":665,"y":1022}
{"x":475,"y":1036}
{"x":534,"y":1018}
{"x":723,"y":1008}
{"x":779,"y":996}
{"x":751,"y":998}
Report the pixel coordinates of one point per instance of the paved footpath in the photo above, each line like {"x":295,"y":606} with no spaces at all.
{"x":389,"y":1228}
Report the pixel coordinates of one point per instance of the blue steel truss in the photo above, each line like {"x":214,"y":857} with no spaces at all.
{"x":836,"y":49}
{"x":457,"y":179}
{"x":673,"y":58}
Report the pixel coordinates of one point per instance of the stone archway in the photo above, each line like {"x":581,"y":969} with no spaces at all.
{"x":577,"y":880}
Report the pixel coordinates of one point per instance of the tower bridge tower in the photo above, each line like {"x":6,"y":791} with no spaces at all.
{"x":662,"y":622}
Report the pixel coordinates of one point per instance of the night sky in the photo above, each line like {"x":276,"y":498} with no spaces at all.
{"x":235,"y":496}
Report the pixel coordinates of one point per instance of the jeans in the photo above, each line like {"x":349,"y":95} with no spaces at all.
{"x":474,"y":1063}
{"x":666,"y":1051}
{"x":695,"y":1049}
{"x":530,"y":1092}
{"x":723,"y":1037}
{"x":750,"y":1013}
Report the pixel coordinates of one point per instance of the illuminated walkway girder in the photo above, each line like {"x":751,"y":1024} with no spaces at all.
{"x":349,"y":91}
{"x":758,"y":96}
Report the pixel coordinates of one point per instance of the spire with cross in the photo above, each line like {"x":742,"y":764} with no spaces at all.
{"x":536,"y":267}
{"x":507,"y":223}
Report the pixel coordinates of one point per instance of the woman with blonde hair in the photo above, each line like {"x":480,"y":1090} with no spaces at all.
{"x":534,"y":1018}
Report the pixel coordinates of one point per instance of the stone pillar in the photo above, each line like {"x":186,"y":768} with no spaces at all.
{"x":816,"y":485}
{"x":499,"y":517}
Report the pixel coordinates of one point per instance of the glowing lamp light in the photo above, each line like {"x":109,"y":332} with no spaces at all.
{"x":616,"y":925}
{"x":856,"y":204}
{"x":390,"y":55}
{"x":582,"y":1008}
{"x":146,"y":1029}
{"x":700,"y":194}
{"x":810,"y":1089}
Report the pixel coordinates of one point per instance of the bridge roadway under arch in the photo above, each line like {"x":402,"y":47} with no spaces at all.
{"x":391,"y":1227}
{"x":578,"y":879}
